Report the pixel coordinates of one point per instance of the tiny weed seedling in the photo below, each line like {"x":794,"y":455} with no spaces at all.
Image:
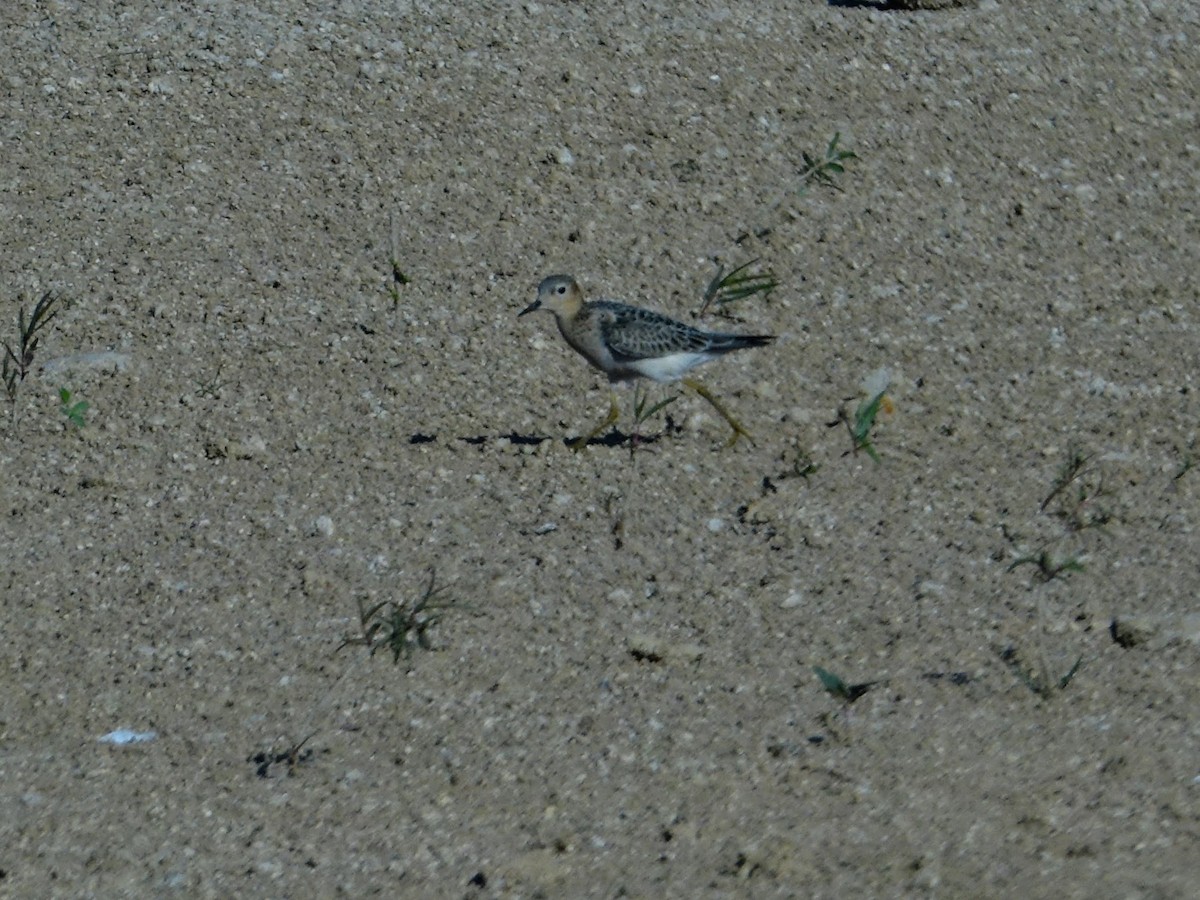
{"x":396,"y":627}
{"x":212,"y":387}
{"x":726,"y":288}
{"x":74,"y":410}
{"x":1038,"y":679}
{"x":1047,"y":567}
{"x":863,"y":420}
{"x":399,"y":627}
{"x":838,"y":688}
{"x":641,"y":414}
{"x":803,"y":466}
{"x":1076,"y":489}
{"x":820,"y":171}
{"x":399,"y":279}
{"x":1071,"y":469}
{"x":18,"y":360}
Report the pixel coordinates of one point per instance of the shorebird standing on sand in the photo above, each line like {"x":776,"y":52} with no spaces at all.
{"x":625,"y":342}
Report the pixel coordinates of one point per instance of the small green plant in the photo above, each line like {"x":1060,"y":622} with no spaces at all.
{"x":1071,"y":469}
{"x":18,"y":361}
{"x":1038,"y":678}
{"x":1048,"y":568}
{"x":820,"y":171}
{"x":860,"y":424}
{"x":803,"y":466}
{"x":399,"y":279}
{"x":836,"y":686}
{"x":641,"y":414}
{"x":399,"y":627}
{"x":212,"y":387}
{"x":73,"y":409}
{"x":726,"y":288}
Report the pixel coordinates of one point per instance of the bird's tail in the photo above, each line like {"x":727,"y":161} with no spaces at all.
{"x":726,"y":343}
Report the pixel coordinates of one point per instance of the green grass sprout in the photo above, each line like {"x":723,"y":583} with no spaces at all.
{"x":18,"y":360}
{"x":860,"y":424}
{"x":641,"y":413}
{"x":820,"y":171}
{"x":836,"y":686}
{"x":399,"y":278}
{"x":740,"y":283}
{"x":1048,"y":568}
{"x":1071,"y":469}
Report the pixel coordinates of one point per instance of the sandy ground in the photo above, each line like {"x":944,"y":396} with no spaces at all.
{"x":622,"y":701}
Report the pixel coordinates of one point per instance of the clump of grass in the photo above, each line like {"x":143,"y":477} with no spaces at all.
{"x":821,"y":170}
{"x":1037,"y":677}
{"x":1076,"y":489}
{"x":399,"y":627}
{"x":74,"y":410}
{"x":860,"y":424}
{"x":738,"y":284}
{"x":18,"y":360}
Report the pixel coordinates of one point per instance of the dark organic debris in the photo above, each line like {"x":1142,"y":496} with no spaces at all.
{"x":293,"y":756}
{"x":955,"y":678}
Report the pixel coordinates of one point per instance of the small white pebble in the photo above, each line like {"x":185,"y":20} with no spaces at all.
{"x":715,"y":525}
{"x":323,"y":525}
{"x":877,"y":382}
{"x":127,"y":736}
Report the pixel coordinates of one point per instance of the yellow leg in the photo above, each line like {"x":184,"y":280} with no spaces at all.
{"x":738,"y":430}
{"x":614,"y":413}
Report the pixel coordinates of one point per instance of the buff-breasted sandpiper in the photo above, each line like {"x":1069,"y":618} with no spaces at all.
{"x":625,"y":342}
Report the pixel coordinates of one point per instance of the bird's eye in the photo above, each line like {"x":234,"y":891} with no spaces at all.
{"x":562,"y":289}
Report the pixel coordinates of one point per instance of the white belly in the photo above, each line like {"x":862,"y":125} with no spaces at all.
{"x":667,"y":368}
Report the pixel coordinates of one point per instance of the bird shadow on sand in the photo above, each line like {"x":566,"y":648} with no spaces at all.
{"x":614,"y":438}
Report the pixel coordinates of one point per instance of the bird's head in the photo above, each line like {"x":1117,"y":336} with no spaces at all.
{"x":560,"y":294}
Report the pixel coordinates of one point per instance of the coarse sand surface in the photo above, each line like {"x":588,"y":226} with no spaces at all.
{"x":290,"y":240}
